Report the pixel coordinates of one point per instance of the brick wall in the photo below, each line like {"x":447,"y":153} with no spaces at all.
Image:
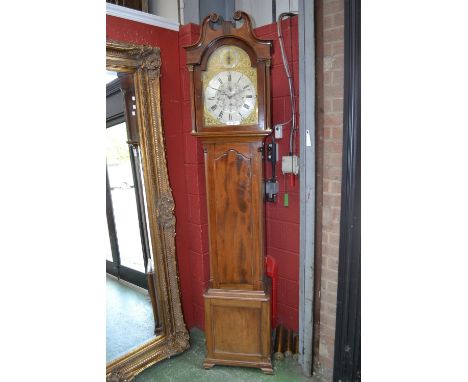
{"x":330,"y":45}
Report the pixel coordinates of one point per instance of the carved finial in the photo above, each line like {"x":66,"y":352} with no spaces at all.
{"x":237,"y":15}
{"x":240,"y":15}
{"x":214,"y":17}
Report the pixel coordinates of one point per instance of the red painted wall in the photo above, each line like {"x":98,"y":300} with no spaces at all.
{"x":282,"y":223}
{"x":197,"y":223}
{"x":186,"y":169}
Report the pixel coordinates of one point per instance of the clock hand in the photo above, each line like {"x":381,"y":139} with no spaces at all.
{"x":224,"y":92}
{"x":238,"y":92}
{"x":218,"y":90}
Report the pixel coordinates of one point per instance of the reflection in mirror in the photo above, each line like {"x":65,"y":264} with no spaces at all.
{"x":124,"y":203}
{"x":132,"y":316}
{"x":129,"y":317}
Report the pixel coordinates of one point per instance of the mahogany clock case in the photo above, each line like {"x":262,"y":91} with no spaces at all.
{"x":237,"y":306}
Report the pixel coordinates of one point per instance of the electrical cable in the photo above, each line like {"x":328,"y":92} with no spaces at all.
{"x":284,"y":123}
{"x":292,"y":97}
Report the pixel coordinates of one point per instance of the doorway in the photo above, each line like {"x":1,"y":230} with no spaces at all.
{"x":129,"y":246}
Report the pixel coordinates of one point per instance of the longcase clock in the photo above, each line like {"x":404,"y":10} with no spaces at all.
{"x":230,"y":91}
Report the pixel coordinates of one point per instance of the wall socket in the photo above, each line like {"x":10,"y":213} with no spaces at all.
{"x":278,"y":131}
{"x":290,"y":164}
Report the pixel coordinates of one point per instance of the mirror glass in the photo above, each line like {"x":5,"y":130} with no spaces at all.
{"x":131,"y":299}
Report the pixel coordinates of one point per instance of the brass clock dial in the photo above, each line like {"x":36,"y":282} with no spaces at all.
{"x":230,"y":88}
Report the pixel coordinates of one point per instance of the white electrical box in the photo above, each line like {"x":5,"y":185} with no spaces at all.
{"x":290,"y":164}
{"x":278,"y":131}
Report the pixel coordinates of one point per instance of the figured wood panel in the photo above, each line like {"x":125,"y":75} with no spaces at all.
{"x":233,"y":204}
{"x":236,"y":330}
{"x":235,"y":214}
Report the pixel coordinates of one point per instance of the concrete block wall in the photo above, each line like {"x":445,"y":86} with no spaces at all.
{"x":282,"y":223}
{"x":197,"y":219}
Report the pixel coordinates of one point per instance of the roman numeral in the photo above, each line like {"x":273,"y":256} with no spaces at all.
{"x":246,"y":86}
{"x":248,"y":96}
{"x":229,"y":77}
{"x":220,"y":80}
{"x":246,"y":106}
{"x":211,"y":98}
{"x":230,"y":117}
{"x":220,"y":115}
{"x":214,"y":107}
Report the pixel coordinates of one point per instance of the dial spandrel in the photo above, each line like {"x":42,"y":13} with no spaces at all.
{"x":230,"y":88}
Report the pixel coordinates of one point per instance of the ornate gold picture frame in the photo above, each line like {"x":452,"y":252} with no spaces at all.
{"x":144,"y":62}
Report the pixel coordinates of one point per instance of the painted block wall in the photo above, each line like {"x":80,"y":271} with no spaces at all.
{"x":197,"y":219}
{"x":186,"y":168}
{"x":282,"y":223}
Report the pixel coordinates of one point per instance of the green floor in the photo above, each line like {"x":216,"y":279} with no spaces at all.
{"x":188,"y":367}
{"x":130,"y":323}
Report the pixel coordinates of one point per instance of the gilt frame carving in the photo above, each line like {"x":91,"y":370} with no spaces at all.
{"x":145,"y":62}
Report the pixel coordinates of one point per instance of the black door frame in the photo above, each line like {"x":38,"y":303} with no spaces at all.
{"x":119,"y":114}
{"x":347,"y":360}
{"x":115,"y":266}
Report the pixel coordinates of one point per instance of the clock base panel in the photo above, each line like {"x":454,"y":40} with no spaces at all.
{"x":238,"y":329}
